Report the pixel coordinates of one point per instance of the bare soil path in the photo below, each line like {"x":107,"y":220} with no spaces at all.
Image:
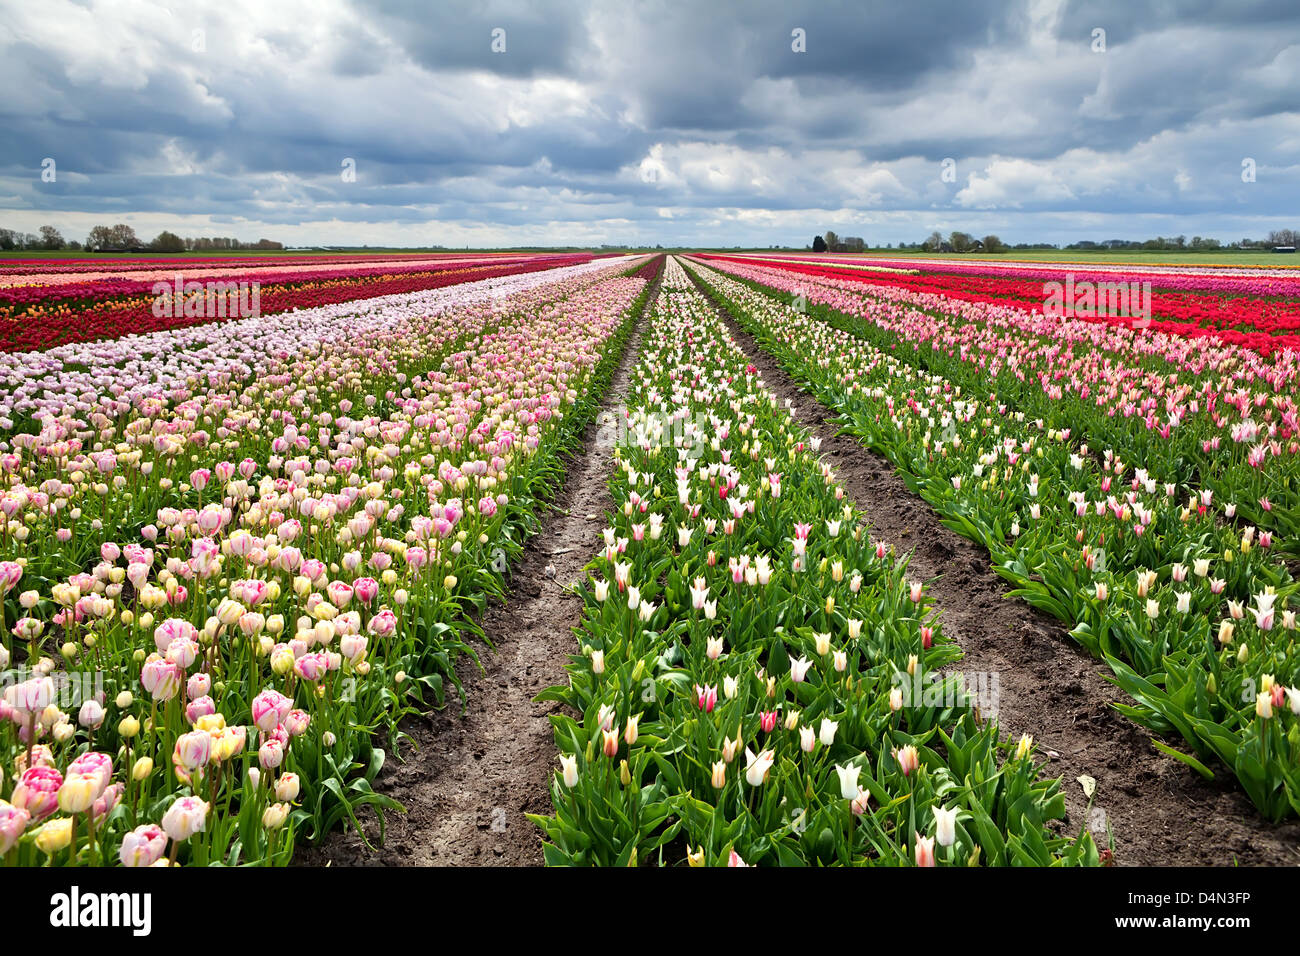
{"x":1160,"y":811}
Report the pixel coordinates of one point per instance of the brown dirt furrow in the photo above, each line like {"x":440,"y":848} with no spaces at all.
{"x":470,"y":777}
{"x":1159,"y":810}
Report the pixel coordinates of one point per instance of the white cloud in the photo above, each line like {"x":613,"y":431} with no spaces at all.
{"x":1012,"y":182}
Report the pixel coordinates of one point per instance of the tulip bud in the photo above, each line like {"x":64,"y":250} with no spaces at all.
{"x":945,"y":825}
{"x":569,"y":767}
{"x":1226,"y":627}
{"x":848,"y":780}
{"x":54,"y":836}
{"x":719,"y":775}
{"x":91,"y":715}
{"x":1024,"y":746}
{"x":275,"y":816}
{"x":287,"y":787}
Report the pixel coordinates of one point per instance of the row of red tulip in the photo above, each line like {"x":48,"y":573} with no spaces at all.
{"x":1264,"y":323}
{"x":39,"y":318}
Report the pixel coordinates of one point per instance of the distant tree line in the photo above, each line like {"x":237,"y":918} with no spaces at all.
{"x":122,"y":238}
{"x":49,"y":238}
{"x":834,"y":243}
{"x":957,"y":241}
{"x":1278,"y":237}
{"x":962,"y":242}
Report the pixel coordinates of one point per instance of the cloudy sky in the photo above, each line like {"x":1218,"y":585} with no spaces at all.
{"x":487,"y":122}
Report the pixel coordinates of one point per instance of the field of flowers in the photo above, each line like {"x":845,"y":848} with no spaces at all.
{"x":237,"y":554}
{"x":1192,"y":409}
{"x":753,"y":681}
{"x":1255,"y":308}
{"x":240,"y":554}
{"x":42,"y":306}
{"x":1121,"y":481}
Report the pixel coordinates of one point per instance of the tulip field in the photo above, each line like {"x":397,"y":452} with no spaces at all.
{"x":43,"y":305}
{"x":1142,"y":488}
{"x":242,"y":552}
{"x":746,"y":649}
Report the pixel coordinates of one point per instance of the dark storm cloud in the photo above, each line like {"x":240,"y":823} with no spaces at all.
{"x":663,"y":121}
{"x":449,"y":35}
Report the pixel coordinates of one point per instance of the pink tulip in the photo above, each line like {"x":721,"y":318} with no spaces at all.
{"x":270,"y":755}
{"x":137,"y":573}
{"x":353,"y":647}
{"x":908,"y":759}
{"x":312,"y":666}
{"x":202,"y":706}
{"x":192,"y":752}
{"x":924,"y":850}
{"x":198,"y":685}
{"x":37,"y":792}
{"x":312,"y":569}
{"x":297,"y":722}
{"x":13,"y":822}
{"x":269,"y":710}
{"x":93,"y":762}
{"x":143,"y":846}
{"x":365,"y":589}
{"x":170,"y":630}
{"x":184,"y":818}
{"x":340,"y":593}
{"x":383,"y":624}
{"x":11,"y":572}
{"x":106,"y":801}
{"x":32,"y":696}
{"x":182,"y":652}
